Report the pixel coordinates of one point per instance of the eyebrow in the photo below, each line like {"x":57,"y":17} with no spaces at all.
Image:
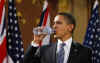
{"x":57,"y":22}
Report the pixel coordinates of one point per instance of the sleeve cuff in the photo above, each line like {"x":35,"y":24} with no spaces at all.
{"x":34,"y":44}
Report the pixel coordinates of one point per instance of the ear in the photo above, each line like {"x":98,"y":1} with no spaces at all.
{"x":71,"y":27}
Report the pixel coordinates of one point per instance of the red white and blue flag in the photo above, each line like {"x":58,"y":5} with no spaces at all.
{"x":14,"y":42}
{"x":3,"y":49}
{"x":92,"y":38}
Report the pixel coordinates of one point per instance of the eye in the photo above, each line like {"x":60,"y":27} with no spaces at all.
{"x":58,"y":22}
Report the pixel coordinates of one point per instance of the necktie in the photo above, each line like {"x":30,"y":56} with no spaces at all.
{"x":60,"y":55}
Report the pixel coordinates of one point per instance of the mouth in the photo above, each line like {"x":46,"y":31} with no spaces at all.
{"x":54,"y":32}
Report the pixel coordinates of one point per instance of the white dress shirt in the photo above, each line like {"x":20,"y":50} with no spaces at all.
{"x":66,"y":48}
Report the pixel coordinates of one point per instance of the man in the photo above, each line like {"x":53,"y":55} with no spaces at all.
{"x":65,"y":50}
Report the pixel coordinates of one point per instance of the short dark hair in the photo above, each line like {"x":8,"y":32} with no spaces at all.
{"x":71,"y":19}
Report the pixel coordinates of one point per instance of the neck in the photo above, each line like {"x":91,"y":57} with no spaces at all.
{"x":65,"y":37}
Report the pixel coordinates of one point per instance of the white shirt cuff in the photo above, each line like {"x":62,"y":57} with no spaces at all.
{"x":34,"y":44}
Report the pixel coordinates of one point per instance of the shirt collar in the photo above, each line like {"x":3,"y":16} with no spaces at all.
{"x":67,"y":42}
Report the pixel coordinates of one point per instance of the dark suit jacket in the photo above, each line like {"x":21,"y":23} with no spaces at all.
{"x":47,"y":54}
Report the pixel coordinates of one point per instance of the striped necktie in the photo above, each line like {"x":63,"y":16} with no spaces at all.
{"x":60,"y":55}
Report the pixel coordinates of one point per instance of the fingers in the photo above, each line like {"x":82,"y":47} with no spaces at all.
{"x":38,"y":38}
{"x":42,"y":36}
{"x":38,"y":34}
{"x":38,"y":30}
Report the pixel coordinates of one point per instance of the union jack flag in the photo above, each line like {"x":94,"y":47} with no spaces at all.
{"x":3,"y":50}
{"x":45,"y":22}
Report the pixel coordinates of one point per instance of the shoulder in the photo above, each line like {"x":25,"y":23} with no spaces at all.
{"x":85,"y":53}
{"x":53,"y":44}
{"x":81,"y":47}
{"x":48,"y":48}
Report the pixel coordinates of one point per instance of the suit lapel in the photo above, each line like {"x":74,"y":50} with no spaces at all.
{"x":73,"y":52}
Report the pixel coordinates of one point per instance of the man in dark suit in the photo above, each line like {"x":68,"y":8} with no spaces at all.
{"x":65,"y":50}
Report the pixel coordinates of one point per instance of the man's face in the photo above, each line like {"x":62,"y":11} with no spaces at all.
{"x":61,"y":26}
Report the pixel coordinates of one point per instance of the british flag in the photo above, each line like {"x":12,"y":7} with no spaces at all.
{"x":45,"y":22}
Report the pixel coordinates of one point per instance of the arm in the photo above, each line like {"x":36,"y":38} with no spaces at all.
{"x":31,"y":55}
{"x":90,"y":56}
{"x":87,"y":56}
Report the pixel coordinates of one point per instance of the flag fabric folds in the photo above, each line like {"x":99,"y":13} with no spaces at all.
{"x":14,"y":41}
{"x":3,"y":49}
{"x":45,"y":22}
{"x":92,"y":38}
